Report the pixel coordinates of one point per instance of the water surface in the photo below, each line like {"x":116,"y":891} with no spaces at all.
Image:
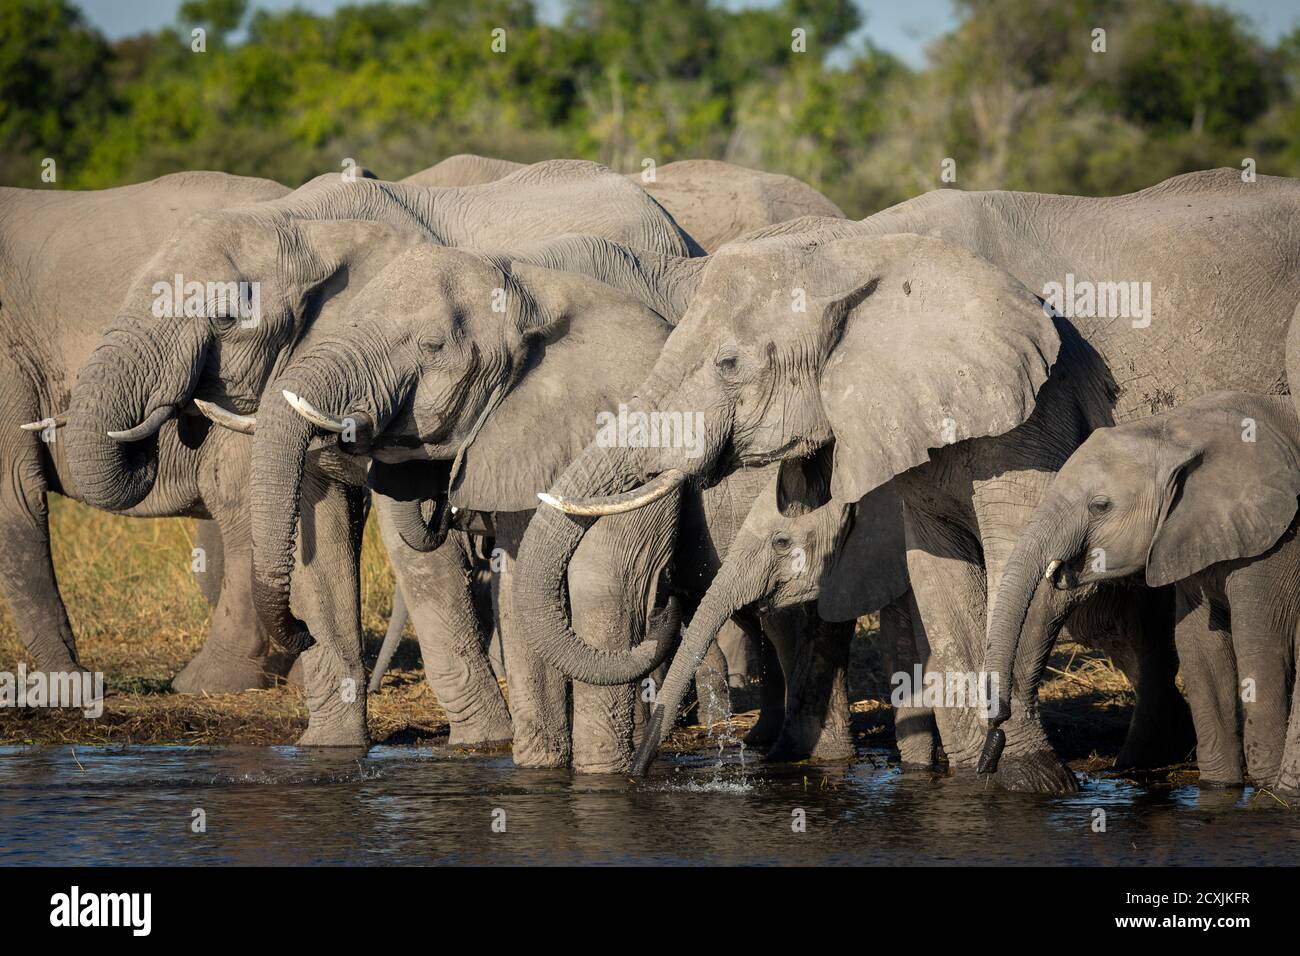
{"x":400,"y":805}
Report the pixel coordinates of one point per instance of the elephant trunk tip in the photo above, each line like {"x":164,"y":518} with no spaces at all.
{"x":994,"y":743}
{"x":645,"y":753}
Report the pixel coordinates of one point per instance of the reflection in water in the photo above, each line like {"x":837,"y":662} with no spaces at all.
{"x":400,"y":805}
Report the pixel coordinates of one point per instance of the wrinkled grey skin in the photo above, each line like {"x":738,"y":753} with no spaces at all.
{"x":309,"y":252}
{"x":909,"y":343}
{"x":715,"y":202}
{"x":428,"y":377}
{"x":1202,"y":497}
{"x":795,"y":546}
{"x":464,"y":169}
{"x":66,"y":260}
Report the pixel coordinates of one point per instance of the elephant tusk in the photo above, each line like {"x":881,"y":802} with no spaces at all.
{"x":147,"y":427}
{"x":1052,"y":567}
{"x":58,"y":421}
{"x":308,"y":411}
{"x":244,"y":424}
{"x":639,"y":497}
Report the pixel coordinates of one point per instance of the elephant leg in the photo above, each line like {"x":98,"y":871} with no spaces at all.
{"x":915,"y":731}
{"x":817,"y":703}
{"x":1288,"y":778}
{"x":612,"y":580}
{"x":1262,"y":640}
{"x":538,"y":693}
{"x":237,"y":654}
{"x":771,"y":715}
{"x":1209,"y":670}
{"x":949,"y":584}
{"x":439,"y":589}
{"x":1135,"y":628}
{"x":26,"y":565}
{"x":326,"y":595}
{"x":211,"y":570}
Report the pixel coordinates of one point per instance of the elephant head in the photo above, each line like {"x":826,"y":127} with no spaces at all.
{"x":1164,"y":497}
{"x":796,"y":545}
{"x":468,"y":386}
{"x":891,"y":346}
{"x":208,"y":318}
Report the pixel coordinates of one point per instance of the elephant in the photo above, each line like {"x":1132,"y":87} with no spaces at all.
{"x":913,"y":339}
{"x":262,"y":272}
{"x":713,"y":201}
{"x":66,"y":260}
{"x":1202,"y":497}
{"x":795,"y":547}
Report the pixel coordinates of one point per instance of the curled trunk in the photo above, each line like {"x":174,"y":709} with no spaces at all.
{"x":549,"y":545}
{"x":130,"y":379}
{"x":418,"y":532}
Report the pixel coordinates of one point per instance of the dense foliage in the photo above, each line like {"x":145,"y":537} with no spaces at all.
{"x":1016,"y":94}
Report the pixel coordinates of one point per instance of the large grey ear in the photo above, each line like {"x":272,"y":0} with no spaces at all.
{"x":345,"y":253}
{"x":870,"y":568}
{"x":1224,"y":497}
{"x":588,"y":348}
{"x":935,"y":345}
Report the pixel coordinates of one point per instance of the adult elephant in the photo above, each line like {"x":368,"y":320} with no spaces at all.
{"x":223,"y":300}
{"x":896,"y":342}
{"x":66,"y":260}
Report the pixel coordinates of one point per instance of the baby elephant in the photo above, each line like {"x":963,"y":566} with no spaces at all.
{"x":1202,"y":497}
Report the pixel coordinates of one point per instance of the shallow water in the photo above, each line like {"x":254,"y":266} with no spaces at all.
{"x":399,"y":805}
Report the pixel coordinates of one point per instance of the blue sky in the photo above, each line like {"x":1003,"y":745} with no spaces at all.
{"x":903,"y":27}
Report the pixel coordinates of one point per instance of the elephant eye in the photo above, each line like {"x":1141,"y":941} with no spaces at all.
{"x":727,"y":361}
{"x":1099,"y":505}
{"x":431,"y":346}
{"x":781,"y":542}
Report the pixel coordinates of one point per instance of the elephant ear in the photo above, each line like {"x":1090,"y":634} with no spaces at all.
{"x":586,"y":347}
{"x":1229,"y":477}
{"x":935,"y":345}
{"x":870,"y":568}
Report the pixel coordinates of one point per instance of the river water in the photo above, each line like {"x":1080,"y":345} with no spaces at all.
{"x":401,"y":805}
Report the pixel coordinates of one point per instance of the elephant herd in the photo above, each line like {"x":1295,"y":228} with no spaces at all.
{"x":589,"y":408}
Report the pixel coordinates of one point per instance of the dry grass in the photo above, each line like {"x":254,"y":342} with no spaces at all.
{"x":139,"y":617}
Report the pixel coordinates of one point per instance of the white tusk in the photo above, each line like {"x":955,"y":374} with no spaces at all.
{"x":244,"y":424}
{"x":58,"y":421}
{"x":147,"y":427}
{"x":639,"y":497}
{"x":309,"y":412}
{"x":1052,"y":567}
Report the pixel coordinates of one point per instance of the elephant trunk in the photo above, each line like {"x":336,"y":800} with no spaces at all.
{"x":721,"y":600}
{"x":276,"y":478}
{"x":544,"y":555}
{"x":129,"y":387}
{"x":418,"y":532}
{"x":1054,"y":537}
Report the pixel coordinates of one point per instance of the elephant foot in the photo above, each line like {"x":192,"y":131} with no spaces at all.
{"x":537,"y":750}
{"x":1039,"y":771}
{"x":767,"y":729}
{"x":1168,"y":745}
{"x":1221,"y":783}
{"x":474,"y":736}
{"x":344,"y":730}
{"x":213,"y":673}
